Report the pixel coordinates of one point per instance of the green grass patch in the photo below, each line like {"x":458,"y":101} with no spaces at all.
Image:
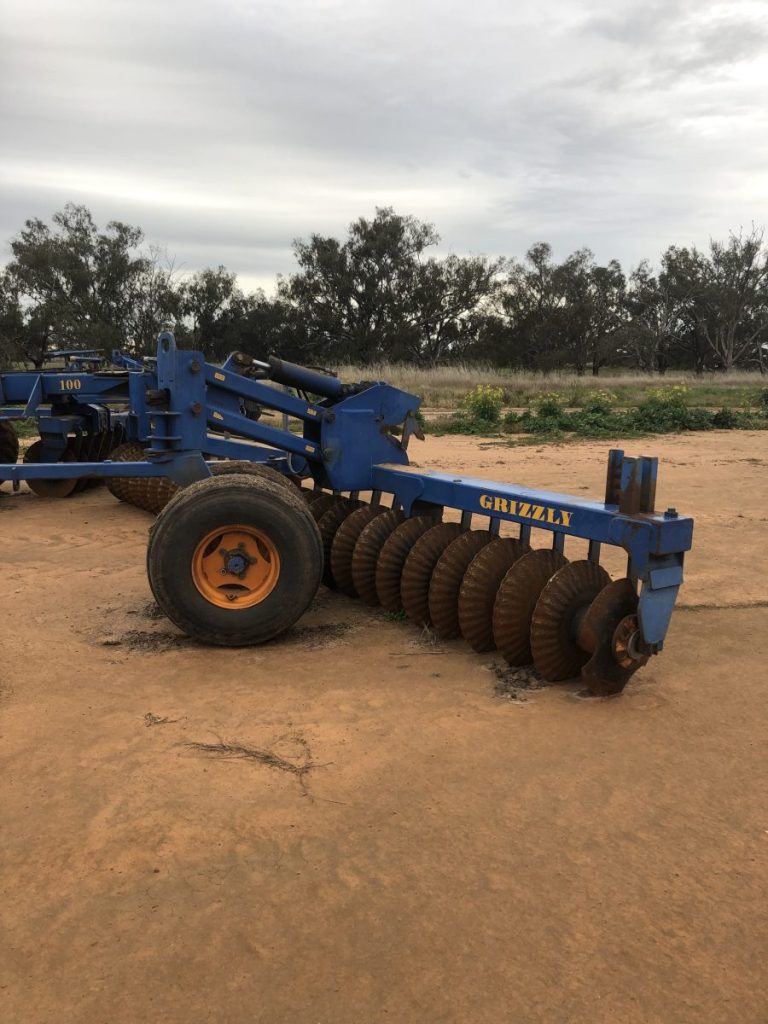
{"x":663,"y":410}
{"x":25,"y":428}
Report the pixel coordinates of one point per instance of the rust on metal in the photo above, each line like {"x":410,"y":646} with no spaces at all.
{"x":479,"y":588}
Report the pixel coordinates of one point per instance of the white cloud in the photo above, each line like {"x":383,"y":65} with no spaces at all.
{"x":227,"y":129}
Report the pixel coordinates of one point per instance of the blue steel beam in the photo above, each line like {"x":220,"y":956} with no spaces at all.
{"x":640,"y":535}
{"x":252,"y":390}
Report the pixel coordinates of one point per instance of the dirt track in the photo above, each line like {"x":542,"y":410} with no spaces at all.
{"x":452,"y":857}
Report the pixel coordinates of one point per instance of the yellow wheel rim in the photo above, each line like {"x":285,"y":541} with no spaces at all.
{"x":235,"y":567}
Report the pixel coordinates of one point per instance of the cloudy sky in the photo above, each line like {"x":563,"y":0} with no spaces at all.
{"x":226,"y":128}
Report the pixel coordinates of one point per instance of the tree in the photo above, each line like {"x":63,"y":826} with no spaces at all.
{"x":379,"y":294}
{"x":591,"y":311}
{"x":654,"y":311}
{"x":74,"y":285}
{"x":521,"y":331}
{"x":156,"y":303}
{"x":734,"y":299}
{"x":11,"y":321}
{"x":375,"y":296}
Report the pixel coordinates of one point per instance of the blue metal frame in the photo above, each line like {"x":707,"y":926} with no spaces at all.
{"x":184,"y":409}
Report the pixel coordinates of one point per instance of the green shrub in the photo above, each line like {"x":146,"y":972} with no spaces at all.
{"x":761,"y":401}
{"x":663,"y":411}
{"x":460,"y":423}
{"x":599,"y":422}
{"x":599,"y":402}
{"x":484,"y":403}
{"x":699,"y":419}
{"x":726,"y":419}
{"x":549,"y":404}
{"x":548,"y":424}
{"x":26,"y":428}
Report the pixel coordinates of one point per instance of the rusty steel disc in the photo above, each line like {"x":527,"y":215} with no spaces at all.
{"x":50,"y":488}
{"x":477,"y":594}
{"x":446,"y":580}
{"x":328,"y":524}
{"x":343,"y":546}
{"x":9,"y":442}
{"x":396,"y":548}
{"x":569,"y":593}
{"x":314,"y":495}
{"x":519,"y":591}
{"x":320,"y":505}
{"x":608,"y":627}
{"x":367,"y":550}
{"x":418,"y":569}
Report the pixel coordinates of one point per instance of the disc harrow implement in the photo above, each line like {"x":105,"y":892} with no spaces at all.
{"x":238,"y":550}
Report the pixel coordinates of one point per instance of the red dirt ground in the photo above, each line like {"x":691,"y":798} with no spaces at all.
{"x":452,"y":858}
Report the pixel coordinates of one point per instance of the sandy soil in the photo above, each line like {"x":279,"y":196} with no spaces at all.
{"x":449,"y":856}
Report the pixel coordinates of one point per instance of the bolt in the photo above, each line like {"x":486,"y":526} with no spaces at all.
{"x":223,"y":572}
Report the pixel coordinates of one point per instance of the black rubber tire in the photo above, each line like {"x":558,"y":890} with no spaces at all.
{"x":161,"y":490}
{"x":229,"y":466}
{"x":9,"y":442}
{"x":216,"y":502}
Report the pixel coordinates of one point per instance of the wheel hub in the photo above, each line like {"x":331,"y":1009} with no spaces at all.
{"x":235,"y":567}
{"x":236,"y":561}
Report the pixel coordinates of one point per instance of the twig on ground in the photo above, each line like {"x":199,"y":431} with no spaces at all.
{"x":241,"y":751}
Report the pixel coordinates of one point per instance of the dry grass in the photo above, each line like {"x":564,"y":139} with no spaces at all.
{"x":445,"y":386}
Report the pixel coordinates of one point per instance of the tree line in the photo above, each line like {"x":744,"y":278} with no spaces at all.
{"x":380,"y":294}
